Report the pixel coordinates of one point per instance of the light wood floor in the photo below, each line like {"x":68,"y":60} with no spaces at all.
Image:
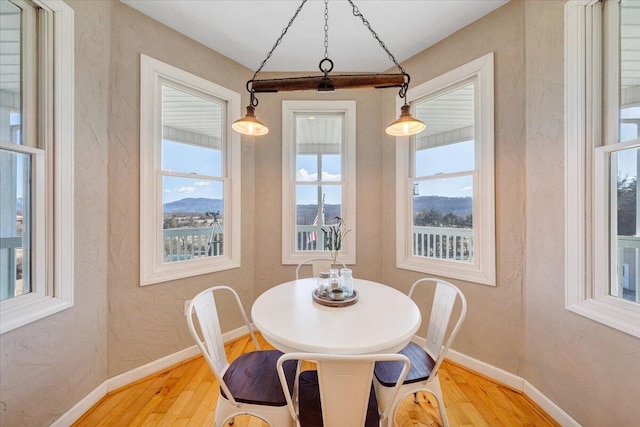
{"x":186,"y":395}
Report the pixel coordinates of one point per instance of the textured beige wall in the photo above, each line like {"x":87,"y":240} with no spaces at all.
{"x":493,"y":330}
{"x":49,"y":365}
{"x":521,"y":325}
{"x":146,"y":323}
{"x":588,"y":369}
{"x":268,"y":185}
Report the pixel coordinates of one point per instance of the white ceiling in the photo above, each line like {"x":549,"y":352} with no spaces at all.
{"x":246,"y":30}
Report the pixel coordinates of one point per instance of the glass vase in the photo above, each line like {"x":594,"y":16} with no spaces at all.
{"x":334,"y":279}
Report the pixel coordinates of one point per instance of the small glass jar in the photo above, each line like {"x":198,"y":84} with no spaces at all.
{"x":323,"y":282}
{"x":346,"y":281}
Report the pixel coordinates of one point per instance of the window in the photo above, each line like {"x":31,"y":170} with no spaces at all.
{"x":36,"y":161}
{"x":190,"y":175}
{"x":602,"y":151}
{"x":318,"y":181}
{"x":445,"y":186}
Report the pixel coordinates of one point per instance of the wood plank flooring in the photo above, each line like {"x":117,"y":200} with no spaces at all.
{"x":186,"y":395}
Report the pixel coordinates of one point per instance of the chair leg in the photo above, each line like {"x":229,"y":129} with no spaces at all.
{"x":436,"y":390}
{"x":415,"y":397}
{"x":232,"y":420}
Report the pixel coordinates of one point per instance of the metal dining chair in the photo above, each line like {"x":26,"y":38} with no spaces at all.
{"x":425,"y":360}
{"x":310,"y":401}
{"x":248,"y":385}
{"x":317,"y":264}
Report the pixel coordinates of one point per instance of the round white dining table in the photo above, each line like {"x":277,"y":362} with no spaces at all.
{"x":383,"y":320}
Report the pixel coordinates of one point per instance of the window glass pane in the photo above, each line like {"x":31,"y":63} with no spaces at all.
{"x":10,"y":73}
{"x":627,"y":249}
{"x":442,"y":219}
{"x":191,"y":133}
{"x":15,"y":224}
{"x":449,"y":158}
{"x":193,"y":218}
{"x":316,"y":206}
{"x":446,"y":145}
{"x":629,"y":70}
{"x":307,"y":167}
{"x":318,"y":146}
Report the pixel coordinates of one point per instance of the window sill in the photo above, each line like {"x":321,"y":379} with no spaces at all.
{"x":626,"y":321}
{"x":185,"y":269}
{"x":29,"y":308}
{"x":450,"y":269}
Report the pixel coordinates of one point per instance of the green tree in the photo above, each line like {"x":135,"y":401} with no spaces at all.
{"x":627,"y":206}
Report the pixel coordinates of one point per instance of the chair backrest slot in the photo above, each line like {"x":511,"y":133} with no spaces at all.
{"x":443,"y":301}
{"x":340,"y":379}
{"x":317,"y":264}
{"x":207,"y":314}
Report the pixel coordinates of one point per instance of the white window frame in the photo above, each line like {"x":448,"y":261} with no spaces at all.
{"x":589,"y":124}
{"x":482,"y":270}
{"x":52,"y":188}
{"x":152,"y":268}
{"x":348,"y":172}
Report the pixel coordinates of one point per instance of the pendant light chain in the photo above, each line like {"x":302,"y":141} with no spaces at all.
{"x":284,"y":31}
{"x":406,"y":125}
{"x":357,"y":13}
{"x":326,"y":29}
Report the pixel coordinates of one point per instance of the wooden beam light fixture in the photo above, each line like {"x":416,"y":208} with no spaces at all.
{"x":406,"y":125}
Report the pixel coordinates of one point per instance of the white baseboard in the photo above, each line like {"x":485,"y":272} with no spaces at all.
{"x":135,"y":374}
{"x":497,"y":374}
{"x":549,"y":407}
{"x":81,"y":407}
{"x":511,"y":380}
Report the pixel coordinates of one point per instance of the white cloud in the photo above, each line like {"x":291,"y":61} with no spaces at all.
{"x":186,"y":190}
{"x":202,"y":183}
{"x":469,"y":188}
{"x":304,"y":175}
{"x":166,"y":190}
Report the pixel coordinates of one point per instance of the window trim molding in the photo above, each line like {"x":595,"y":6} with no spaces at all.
{"x":481,"y":70}
{"x":584,"y":163}
{"x":152,"y":269}
{"x":289,"y":254}
{"x":55,"y":287}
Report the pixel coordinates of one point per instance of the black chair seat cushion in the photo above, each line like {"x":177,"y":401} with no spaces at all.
{"x":311,"y":408}
{"x":253,"y":378}
{"x":422,"y":364}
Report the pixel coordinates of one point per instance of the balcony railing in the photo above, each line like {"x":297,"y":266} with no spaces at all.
{"x":430,"y":242}
{"x":443,"y":243}
{"x":190,"y":243}
{"x":309,"y":238}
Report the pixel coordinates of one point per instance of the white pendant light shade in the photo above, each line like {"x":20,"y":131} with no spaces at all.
{"x":249,"y":125}
{"x":406,"y":125}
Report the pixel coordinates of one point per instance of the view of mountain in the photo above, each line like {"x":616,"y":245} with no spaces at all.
{"x":306,"y":214}
{"x":461,"y":206}
{"x":193,"y":206}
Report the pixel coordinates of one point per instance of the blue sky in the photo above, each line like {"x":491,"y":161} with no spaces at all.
{"x":194,"y":159}
{"x":445,"y":159}
{"x":307,"y":171}
{"x":190,"y":159}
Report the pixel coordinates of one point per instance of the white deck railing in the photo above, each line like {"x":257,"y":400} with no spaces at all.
{"x":190,"y":243}
{"x":443,"y":243}
{"x":430,"y":242}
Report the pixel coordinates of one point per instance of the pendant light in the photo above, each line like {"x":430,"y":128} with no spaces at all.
{"x":405,"y":125}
